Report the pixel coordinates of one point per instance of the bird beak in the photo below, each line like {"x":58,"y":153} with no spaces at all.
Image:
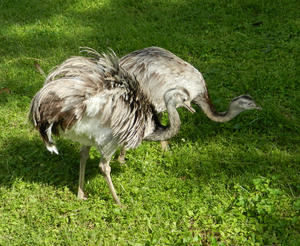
{"x":188,"y":106}
{"x":258,"y":108}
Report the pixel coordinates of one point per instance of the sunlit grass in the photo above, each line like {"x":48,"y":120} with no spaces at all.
{"x":219,"y":184}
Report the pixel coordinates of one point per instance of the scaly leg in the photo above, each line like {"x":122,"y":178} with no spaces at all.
{"x":164,"y":144}
{"x":121,"y":158}
{"x":84,"y":155}
{"x":105,"y":168}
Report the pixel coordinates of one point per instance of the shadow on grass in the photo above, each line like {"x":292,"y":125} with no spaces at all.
{"x":30,"y":161}
{"x":31,"y":11}
{"x":125,"y":26}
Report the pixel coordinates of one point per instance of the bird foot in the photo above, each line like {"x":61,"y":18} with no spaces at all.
{"x":81,"y":195}
{"x":121,"y":159}
{"x":164,"y":145}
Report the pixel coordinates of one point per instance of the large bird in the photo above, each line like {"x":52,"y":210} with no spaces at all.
{"x":157,"y":70}
{"x":95,"y":102}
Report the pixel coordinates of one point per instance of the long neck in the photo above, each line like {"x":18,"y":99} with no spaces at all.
{"x":206,"y":105}
{"x":164,"y":133}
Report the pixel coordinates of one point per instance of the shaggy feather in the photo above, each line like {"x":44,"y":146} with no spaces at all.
{"x":92,"y":87}
{"x":158,"y":70}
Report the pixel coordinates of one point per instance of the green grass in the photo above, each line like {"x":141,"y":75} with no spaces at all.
{"x":219,"y":184}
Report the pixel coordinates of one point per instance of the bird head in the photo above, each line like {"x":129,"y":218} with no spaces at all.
{"x":243,"y":102}
{"x":178,"y":97}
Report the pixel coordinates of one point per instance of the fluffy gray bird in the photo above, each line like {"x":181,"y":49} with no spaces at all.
{"x":95,"y":102}
{"x":157,"y":70}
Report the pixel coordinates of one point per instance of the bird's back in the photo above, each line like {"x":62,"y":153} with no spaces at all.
{"x":157,"y":70}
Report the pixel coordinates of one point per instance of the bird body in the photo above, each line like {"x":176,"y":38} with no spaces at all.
{"x":97,"y":103}
{"x":158,"y":70}
{"x":89,"y":107}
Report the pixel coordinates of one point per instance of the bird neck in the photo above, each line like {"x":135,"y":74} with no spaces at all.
{"x":164,"y":133}
{"x":224,"y":116}
{"x":206,"y":105}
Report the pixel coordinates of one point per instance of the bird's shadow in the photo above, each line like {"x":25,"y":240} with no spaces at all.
{"x":30,"y":161}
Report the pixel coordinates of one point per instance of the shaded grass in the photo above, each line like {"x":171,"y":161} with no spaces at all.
{"x":220,"y":184}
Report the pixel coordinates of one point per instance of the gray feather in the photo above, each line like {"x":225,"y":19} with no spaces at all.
{"x":82,"y":87}
{"x":157,"y":70}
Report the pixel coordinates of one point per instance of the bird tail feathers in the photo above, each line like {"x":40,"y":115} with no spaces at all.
{"x":44,"y":128}
{"x":52,"y":148}
{"x":48,"y":140}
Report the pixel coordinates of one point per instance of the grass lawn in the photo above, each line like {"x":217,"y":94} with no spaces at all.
{"x":236,"y":183}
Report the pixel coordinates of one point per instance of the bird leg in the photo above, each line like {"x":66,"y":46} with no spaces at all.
{"x":121,"y":158}
{"x":84,"y":155}
{"x":105,"y":168}
{"x":164,"y":145}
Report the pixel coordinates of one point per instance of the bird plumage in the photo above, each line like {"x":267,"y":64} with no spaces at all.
{"x":157,"y":70}
{"x":83,"y":88}
{"x":96,"y":102}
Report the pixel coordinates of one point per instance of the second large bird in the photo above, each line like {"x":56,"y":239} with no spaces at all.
{"x":158,"y":70}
